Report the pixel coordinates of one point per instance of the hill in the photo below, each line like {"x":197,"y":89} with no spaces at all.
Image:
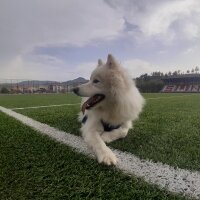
{"x":79,"y":80}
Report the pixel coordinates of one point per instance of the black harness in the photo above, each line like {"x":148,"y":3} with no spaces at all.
{"x":107,"y":127}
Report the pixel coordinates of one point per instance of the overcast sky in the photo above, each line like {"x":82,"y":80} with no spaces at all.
{"x":62,"y":39}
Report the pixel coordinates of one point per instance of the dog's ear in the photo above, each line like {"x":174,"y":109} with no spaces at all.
{"x":100,"y":62}
{"x":111,"y":62}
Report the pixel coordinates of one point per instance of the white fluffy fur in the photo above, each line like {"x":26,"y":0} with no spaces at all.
{"x":122,"y":105}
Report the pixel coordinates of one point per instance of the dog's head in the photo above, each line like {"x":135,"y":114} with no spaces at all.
{"x":106,"y":82}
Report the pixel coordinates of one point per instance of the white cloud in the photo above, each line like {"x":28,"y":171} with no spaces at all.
{"x":157,"y":18}
{"x":50,"y":68}
{"x":191,"y":30}
{"x":28,"y":24}
{"x":188,"y":51}
{"x":136,"y":67}
{"x":160,"y":19}
{"x":25,"y":24}
{"x":84,"y":70}
{"x":44,"y":67}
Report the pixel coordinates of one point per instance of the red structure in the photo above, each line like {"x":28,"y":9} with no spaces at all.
{"x":182,"y":83}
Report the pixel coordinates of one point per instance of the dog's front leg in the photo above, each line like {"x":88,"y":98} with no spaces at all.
{"x":121,"y":132}
{"x":95,"y":142}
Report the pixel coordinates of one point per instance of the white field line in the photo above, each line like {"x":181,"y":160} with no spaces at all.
{"x":176,"y":180}
{"x":173,"y":96}
{"x":35,"y":107}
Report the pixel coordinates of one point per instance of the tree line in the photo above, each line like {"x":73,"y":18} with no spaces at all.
{"x":195,"y":70}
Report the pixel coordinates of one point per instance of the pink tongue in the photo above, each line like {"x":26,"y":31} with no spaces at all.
{"x":83,"y":107}
{"x":86,"y":105}
{"x":89,"y":103}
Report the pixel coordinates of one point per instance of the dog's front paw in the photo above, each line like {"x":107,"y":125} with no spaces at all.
{"x":106,"y":137}
{"x":107,"y":157}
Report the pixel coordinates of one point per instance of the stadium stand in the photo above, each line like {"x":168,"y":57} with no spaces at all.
{"x":195,"y":88}
{"x":182,"y":83}
{"x":188,"y":88}
{"x":169,"y":88}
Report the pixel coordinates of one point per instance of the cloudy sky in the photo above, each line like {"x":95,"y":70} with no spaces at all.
{"x":62,"y":39}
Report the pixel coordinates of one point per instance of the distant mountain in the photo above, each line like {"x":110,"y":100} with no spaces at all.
{"x":79,"y":80}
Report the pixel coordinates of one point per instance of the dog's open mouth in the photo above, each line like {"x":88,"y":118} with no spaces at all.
{"x":92,"y":101}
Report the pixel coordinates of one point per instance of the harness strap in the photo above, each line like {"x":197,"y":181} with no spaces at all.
{"x":84,"y":119}
{"x":107,"y":127}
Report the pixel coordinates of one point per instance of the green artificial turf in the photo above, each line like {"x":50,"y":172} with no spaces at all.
{"x":26,"y":100}
{"x":156,"y":95}
{"x":168,"y":129}
{"x":33,"y":166}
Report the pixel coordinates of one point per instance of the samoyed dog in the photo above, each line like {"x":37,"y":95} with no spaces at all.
{"x":111,"y":103}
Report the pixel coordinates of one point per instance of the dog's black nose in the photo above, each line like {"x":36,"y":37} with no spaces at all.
{"x":75,"y":90}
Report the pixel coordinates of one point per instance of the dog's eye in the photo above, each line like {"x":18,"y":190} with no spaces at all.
{"x":95,"y":81}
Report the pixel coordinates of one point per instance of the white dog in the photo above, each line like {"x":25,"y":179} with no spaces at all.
{"x":112,"y":103}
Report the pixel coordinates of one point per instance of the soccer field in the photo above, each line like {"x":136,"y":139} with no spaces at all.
{"x":33,"y":166}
